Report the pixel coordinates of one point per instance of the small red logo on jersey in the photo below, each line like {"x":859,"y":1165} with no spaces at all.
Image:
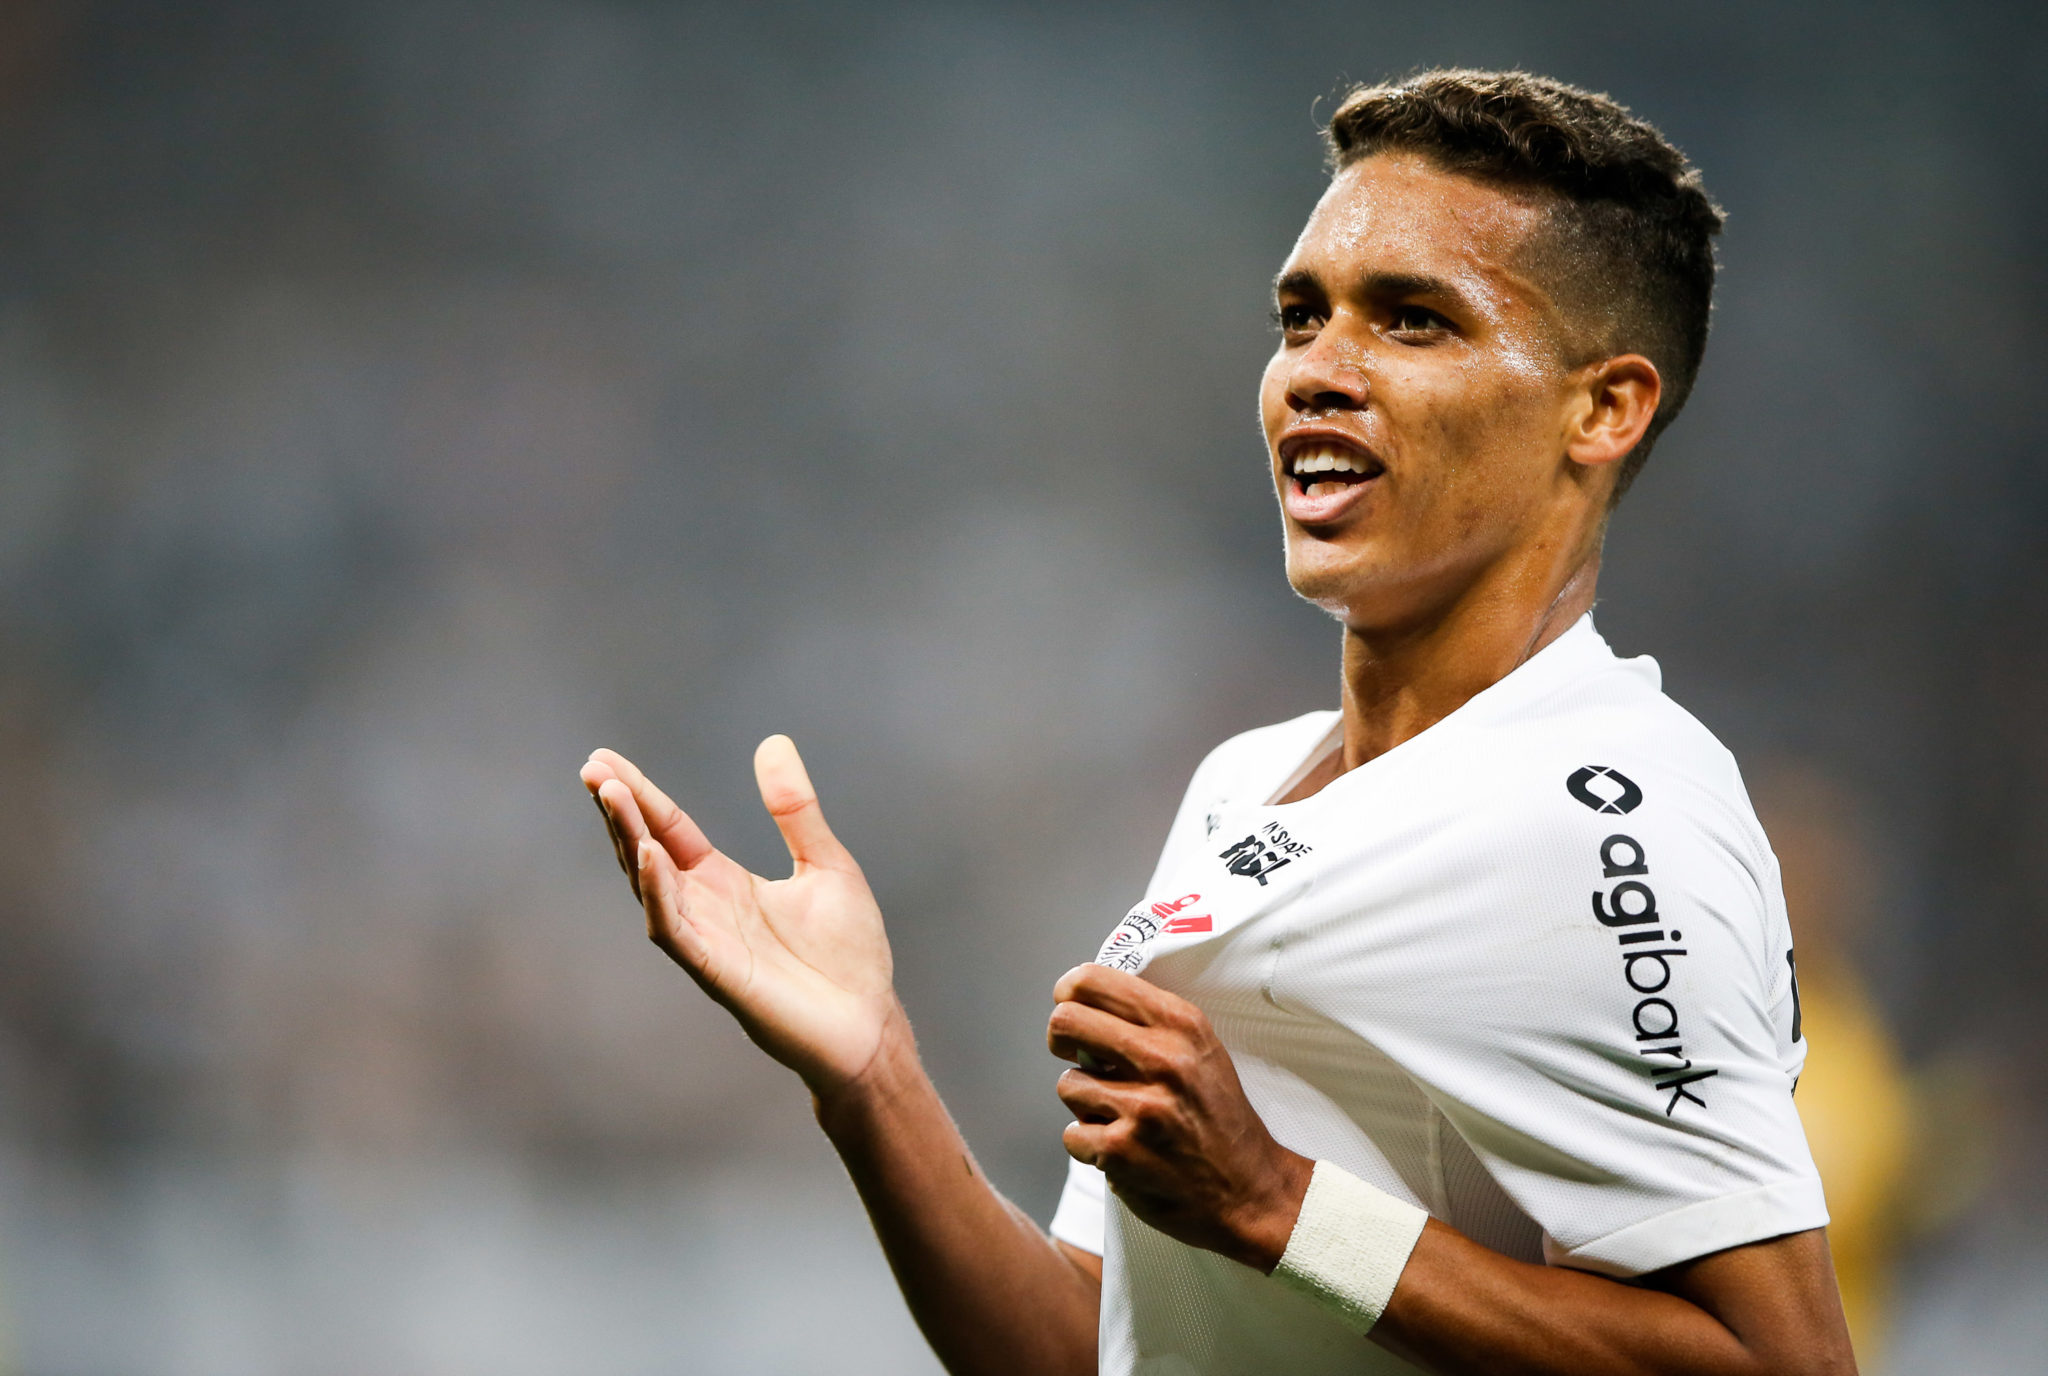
{"x":1198,"y":922}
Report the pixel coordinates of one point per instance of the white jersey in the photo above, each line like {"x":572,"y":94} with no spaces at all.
{"x":1529,"y":970}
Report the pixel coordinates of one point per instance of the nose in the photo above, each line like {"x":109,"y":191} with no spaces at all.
{"x":1326,"y":376}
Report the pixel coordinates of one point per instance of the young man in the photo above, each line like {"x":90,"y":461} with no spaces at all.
{"x":1466,"y":1031}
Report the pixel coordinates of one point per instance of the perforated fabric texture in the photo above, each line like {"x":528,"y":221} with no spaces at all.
{"x":1526,"y":971}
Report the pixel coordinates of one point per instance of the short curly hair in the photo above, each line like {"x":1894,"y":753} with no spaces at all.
{"x":1632,"y":248}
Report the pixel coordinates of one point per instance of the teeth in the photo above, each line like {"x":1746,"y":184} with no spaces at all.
{"x":1326,"y":489}
{"x":1327,"y":458}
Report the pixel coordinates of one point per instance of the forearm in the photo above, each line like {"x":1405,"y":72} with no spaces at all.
{"x":991,"y":1291}
{"x":1462,"y":1308}
{"x":1158,"y":1106}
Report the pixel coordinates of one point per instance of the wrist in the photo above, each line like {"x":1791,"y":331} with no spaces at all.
{"x":1262,"y":1227}
{"x":891,"y":1071}
{"x":1350,"y":1244}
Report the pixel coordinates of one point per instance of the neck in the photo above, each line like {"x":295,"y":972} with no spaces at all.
{"x":1399,"y":681}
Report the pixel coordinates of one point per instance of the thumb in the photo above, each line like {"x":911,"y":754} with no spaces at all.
{"x":786,"y":791}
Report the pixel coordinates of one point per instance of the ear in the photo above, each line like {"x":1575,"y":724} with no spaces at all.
{"x":1616,"y":402}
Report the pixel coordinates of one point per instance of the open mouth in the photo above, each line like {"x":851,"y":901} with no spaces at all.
{"x":1322,"y":469}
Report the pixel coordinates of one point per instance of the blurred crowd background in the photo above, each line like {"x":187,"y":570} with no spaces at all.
{"x":398,"y":400}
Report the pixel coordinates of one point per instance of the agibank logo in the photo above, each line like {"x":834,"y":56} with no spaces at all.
{"x":1604,"y":789}
{"x":1125,"y":949}
{"x":1646,"y":942}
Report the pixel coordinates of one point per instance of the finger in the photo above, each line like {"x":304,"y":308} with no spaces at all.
{"x":1116,"y":991}
{"x":708,"y":955}
{"x":611,"y":830}
{"x":667,"y":925}
{"x":657,"y":813}
{"x":1084,"y":1141}
{"x":595,"y":776}
{"x":623,"y":813}
{"x":1105,"y":1044}
{"x":628,"y":828}
{"x":594,"y":773}
{"x":1090,"y":1098}
{"x":668,"y":824}
{"x":787,"y":793}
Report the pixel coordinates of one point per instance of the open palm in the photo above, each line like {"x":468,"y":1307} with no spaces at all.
{"x":802,"y":962}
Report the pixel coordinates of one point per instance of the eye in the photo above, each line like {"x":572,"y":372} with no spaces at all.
{"x":1414,"y":319}
{"x":1295,"y":319}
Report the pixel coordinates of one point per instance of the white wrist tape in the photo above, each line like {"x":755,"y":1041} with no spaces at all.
{"x":1349,"y":1246}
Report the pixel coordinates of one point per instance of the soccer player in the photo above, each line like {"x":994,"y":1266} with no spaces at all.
{"x":1458,"y":1027}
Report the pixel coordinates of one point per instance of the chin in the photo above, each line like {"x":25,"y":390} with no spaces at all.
{"x":1359,"y":587}
{"x":1331,"y":584}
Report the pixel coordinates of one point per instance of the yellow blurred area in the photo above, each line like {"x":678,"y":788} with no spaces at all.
{"x":1856,"y":1103}
{"x":1898,"y":1151}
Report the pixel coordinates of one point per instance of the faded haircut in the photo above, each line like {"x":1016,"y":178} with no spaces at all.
{"x":1631,"y":248}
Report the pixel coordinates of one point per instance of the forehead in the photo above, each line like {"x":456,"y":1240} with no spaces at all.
{"x":1397,"y":214}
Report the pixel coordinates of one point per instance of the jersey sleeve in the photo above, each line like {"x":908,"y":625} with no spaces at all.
{"x":1079,"y":1218}
{"x":1613,"y":1030}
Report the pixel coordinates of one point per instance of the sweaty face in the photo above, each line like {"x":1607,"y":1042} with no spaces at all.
{"x":1415,"y":410}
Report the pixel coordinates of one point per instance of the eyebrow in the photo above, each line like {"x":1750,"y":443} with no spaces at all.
{"x":1379,"y":284}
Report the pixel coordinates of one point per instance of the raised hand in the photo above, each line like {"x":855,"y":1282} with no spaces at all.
{"x":802,"y":962}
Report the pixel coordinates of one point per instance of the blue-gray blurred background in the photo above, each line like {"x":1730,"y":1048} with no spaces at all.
{"x":398,"y":400}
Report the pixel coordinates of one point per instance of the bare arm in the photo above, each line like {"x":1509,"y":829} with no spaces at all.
{"x":804,"y":965}
{"x":991,"y":1292}
{"x":1766,"y":1309}
{"x":1161,"y":1111}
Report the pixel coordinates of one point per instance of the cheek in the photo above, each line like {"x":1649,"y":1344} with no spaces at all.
{"x":1472,"y":437}
{"x":1478,"y":420}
